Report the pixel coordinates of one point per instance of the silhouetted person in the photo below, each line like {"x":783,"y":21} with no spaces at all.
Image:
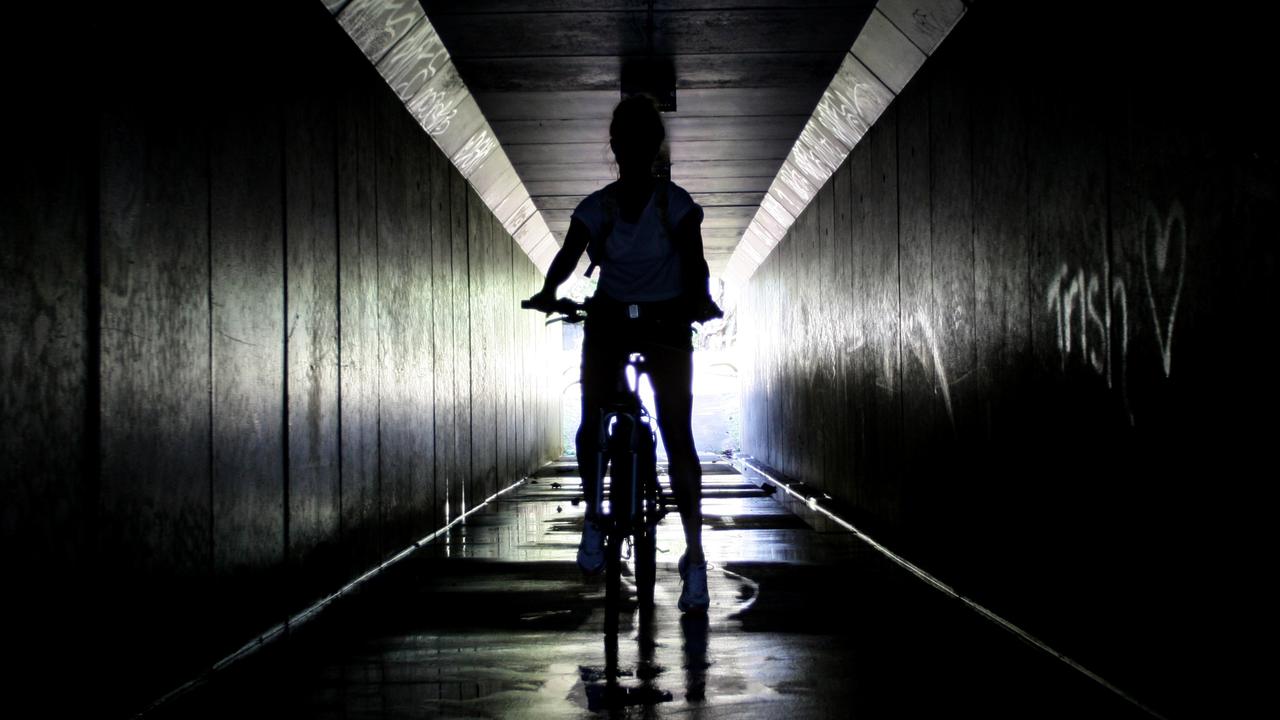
{"x":645,"y":234}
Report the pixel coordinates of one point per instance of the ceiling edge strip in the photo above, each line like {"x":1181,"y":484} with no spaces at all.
{"x":399,"y":40}
{"x":897,"y":39}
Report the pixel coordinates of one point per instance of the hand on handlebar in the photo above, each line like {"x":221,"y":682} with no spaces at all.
{"x":543,"y":301}
{"x":546,"y":302}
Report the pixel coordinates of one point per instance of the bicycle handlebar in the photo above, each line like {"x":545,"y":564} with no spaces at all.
{"x":568,"y":310}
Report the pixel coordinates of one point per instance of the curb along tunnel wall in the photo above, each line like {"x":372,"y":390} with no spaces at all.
{"x":259,"y":335}
{"x":1018,"y":335}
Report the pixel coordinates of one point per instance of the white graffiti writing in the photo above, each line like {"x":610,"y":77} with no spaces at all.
{"x":1120,"y":298}
{"x":841,"y":113}
{"x":375,"y":26}
{"x":797,"y":181}
{"x":1073,"y":300}
{"x":432,"y":112}
{"x":923,"y":343}
{"x":414,"y":62}
{"x":1083,"y":309}
{"x":1082,"y":315}
{"x":475,"y":152}
{"x":815,"y":154}
{"x":418,"y":70}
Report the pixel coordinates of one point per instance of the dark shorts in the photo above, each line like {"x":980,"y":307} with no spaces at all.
{"x":662,"y":324}
{"x":666,"y":341}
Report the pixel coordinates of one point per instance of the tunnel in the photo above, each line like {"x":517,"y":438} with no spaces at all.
{"x":279,"y":440}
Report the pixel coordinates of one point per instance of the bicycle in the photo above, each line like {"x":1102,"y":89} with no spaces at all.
{"x":629,"y":508}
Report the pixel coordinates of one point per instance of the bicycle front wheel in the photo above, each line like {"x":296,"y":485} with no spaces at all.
{"x":646,"y":565}
{"x":613,"y":582}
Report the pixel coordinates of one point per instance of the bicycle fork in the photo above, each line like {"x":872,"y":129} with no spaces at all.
{"x":610,"y":422}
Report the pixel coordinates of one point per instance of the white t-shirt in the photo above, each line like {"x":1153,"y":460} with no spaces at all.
{"x":641,"y":263}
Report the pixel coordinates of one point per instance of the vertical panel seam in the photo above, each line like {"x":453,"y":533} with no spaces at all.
{"x":442,"y":199}
{"x":376,"y":128}
{"x":431,"y":331}
{"x":928,"y":165}
{"x":471,"y":375}
{"x":91,"y":449}
{"x":1027,"y":223}
{"x":430,"y":325}
{"x":513,"y":431}
{"x":208,"y":167}
{"x":503,"y":462}
{"x":285,"y":466}
{"x":1108,"y":242}
{"x":973,"y":223}
{"x":897,"y":171}
{"x":337,"y":303}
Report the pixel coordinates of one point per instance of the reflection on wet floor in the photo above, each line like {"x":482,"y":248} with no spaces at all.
{"x":499,"y":622}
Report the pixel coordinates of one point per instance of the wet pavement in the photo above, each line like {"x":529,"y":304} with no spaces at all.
{"x":497,"y":621}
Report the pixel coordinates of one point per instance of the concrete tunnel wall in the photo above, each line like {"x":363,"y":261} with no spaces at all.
{"x":259,"y":335}
{"x":1019,"y":336}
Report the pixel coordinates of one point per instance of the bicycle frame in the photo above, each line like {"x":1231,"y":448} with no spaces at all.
{"x":627,"y":443}
{"x":626,"y":434}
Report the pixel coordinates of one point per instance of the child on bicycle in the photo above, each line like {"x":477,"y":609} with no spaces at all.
{"x":644,"y":232}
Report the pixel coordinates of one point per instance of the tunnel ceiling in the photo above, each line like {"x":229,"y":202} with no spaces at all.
{"x":771,"y":97}
{"x":547,"y":73}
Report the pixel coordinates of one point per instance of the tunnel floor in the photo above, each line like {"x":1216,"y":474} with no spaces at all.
{"x":497,"y":621}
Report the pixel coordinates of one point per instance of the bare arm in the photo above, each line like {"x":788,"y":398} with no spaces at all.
{"x":693,"y":264}
{"x":575,"y":243}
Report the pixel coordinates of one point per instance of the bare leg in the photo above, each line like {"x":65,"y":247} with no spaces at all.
{"x":599,"y":370}
{"x":671,"y":373}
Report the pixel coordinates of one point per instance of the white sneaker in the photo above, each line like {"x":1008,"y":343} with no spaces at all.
{"x":693,"y":592}
{"x":591,"y":548}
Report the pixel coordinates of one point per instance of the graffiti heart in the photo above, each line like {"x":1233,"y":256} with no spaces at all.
{"x":1164,"y":241}
{"x":1085,"y":312}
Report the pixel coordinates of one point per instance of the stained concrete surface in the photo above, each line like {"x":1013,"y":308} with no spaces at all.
{"x":497,"y":621}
